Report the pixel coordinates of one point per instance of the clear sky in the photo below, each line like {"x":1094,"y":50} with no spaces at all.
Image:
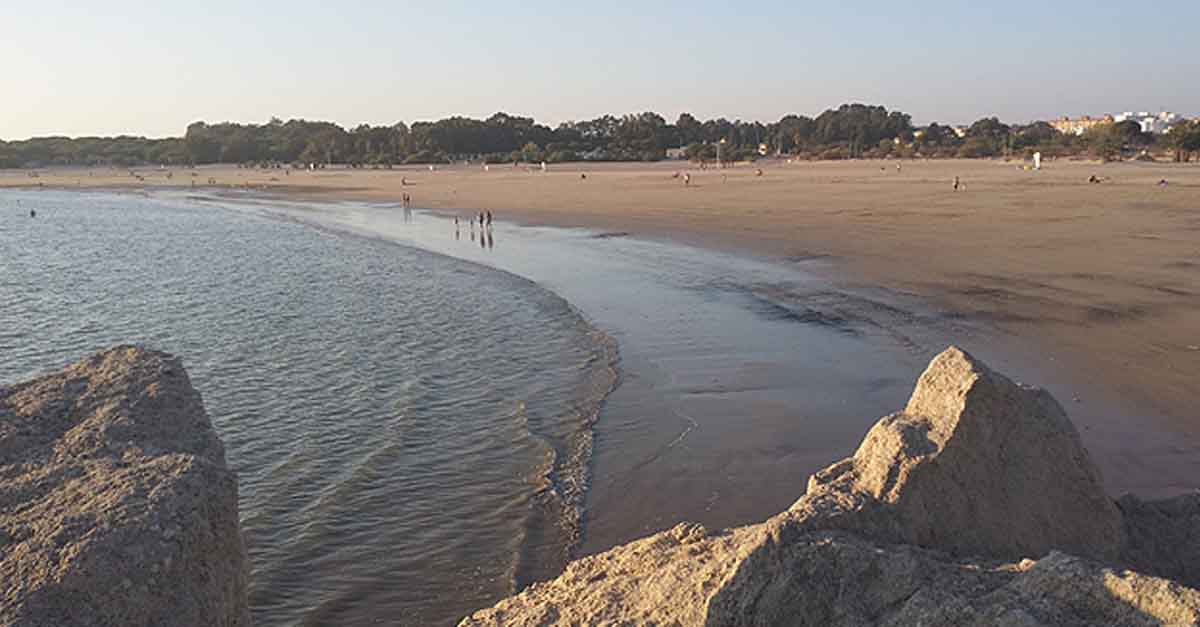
{"x":100,"y":68}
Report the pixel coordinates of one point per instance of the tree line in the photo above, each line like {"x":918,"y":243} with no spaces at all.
{"x":847,"y":132}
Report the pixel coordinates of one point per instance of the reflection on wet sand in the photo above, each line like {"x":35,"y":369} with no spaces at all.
{"x":487,"y":239}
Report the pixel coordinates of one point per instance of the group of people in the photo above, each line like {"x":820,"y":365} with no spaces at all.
{"x":484,"y":220}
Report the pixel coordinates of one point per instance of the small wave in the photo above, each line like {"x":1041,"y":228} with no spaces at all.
{"x":561,"y":482}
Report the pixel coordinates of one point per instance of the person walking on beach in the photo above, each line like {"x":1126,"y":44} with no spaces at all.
{"x":956,"y":184}
{"x":687,"y":179}
{"x":489,"y":219}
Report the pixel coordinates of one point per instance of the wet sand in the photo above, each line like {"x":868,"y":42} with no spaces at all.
{"x":740,"y":377}
{"x":1097,"y":281}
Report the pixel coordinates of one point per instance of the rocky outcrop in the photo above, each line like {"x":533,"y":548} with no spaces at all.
{"x":977,"y":465}
{"x":116,"y":505}
{"x":976,"y":505}
{"x":1163,"y":537}
{"x":828,"y":578}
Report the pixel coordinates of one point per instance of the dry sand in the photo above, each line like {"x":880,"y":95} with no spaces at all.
{"x":1106,"y":277}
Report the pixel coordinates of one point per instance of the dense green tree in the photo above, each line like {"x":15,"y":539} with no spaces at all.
{"x":849,"y":131}
{"x":1185,"y":139}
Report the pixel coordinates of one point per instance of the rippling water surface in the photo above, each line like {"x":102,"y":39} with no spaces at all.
{"x":419,"y":431}
{"x":411,"y":431}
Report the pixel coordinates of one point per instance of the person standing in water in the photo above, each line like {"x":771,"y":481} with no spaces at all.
{"x":33,"y":213}
{"x":489,"y":219}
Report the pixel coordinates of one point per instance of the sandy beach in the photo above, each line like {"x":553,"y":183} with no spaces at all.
{"x":1103,"y":277}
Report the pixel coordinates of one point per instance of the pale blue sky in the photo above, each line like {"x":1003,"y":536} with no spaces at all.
{"x":80,"y":68}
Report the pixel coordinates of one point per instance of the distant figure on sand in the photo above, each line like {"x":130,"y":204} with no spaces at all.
{"x":687,"y":179}
{"x":956,"y":184}
{"x":1162,"y":183}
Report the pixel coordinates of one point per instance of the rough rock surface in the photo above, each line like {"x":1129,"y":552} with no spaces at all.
{"x":1164,"y":537}
{"x":956,"y":511}
{"x":116,"y":506}
{"x":978,"y":465}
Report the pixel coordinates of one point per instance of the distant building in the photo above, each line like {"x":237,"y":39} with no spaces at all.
{"x":1152,"y":123}
{"x":676,"y":154}
{"x":960,"y":131}
{"x":1080,"y":125}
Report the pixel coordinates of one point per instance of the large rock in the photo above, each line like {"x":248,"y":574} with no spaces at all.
{"x":1164,"y":536}
{"x":748,"y":576}
{"x":955,"y":511}
{"x":828,"y":578}
{"x":978,"y":465}
{"x":116,"y":506}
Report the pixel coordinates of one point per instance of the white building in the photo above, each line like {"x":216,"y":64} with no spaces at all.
{"x":1151,"y":123}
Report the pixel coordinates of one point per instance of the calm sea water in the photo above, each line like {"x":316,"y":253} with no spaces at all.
{"x":411,"y":432}
{"x":419,"y":431}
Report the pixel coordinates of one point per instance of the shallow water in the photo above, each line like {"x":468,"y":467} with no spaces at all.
{"x":739,"y":377}
{"x":417,"y":413}
{"x":411,"y":432}
{"x":742,"y":376}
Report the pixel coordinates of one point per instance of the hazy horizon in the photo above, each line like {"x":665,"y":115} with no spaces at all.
{"x":150,"y":71}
